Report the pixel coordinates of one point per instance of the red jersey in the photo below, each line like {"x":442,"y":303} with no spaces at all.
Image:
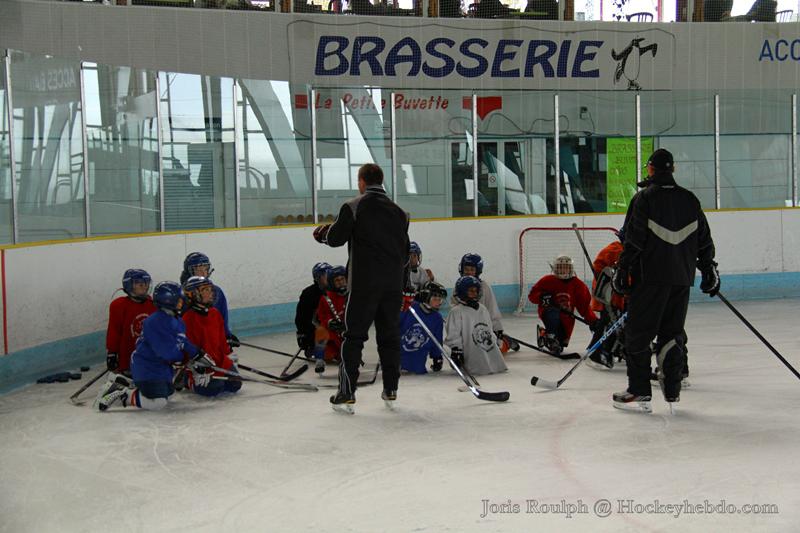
{"x":608,"y":257}
{"x":207,"y":332}
{"x":324,"y":311}
{"x":125,"y":318}
{"x":570,"y":294}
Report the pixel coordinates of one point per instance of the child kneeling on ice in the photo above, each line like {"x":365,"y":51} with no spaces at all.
{"x":472,"y":342}
{"x":415,"y":344}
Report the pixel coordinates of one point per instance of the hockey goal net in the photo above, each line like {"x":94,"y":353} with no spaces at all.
{"x":538,"y":248}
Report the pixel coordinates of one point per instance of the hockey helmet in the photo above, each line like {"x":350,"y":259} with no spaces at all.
{"x":319,"y":270}
{"x":194,"y":260}
{"x":337,"y":272}
{"x":133,"y":276}
{"x":473,"y":260}
{"x":167,"y":296}
{"x":430,"y":290}
{"x":191,"y":288}
{"x":463,"y":285}
{"x":563,"y":267}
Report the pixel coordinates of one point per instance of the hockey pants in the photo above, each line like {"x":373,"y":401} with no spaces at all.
{"x":365,"y":305}
{"x":656,"y":310}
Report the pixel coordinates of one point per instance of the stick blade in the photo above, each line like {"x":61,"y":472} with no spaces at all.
{"x":492,"y":396}
{"x":294,"y":375}
{"x":539,"y":382}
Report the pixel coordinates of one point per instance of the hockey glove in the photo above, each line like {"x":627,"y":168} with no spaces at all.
{"x":710,"y":283}
{"x":499,"y":335}
{"x":233,"y":341}
{"x":457,"y":355}
{"x":321,"y":233}
{"x":336,"y":325}
{"x":437,"y":365}
{"x":201,"y":379}
{"x":408,"y":299}
{"x":621,"y":281}
{"x":546,"y":299}
{"x":301,"y":340}
{"x":112,"y":362}
{"x":202,"y":362}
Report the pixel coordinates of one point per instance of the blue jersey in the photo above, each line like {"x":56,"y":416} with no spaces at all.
{"x":415,"y":344}
{"x":221,"y":304}
{"x":163,"y":342}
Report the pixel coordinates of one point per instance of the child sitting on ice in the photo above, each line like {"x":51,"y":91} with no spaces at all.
{"x":415,"y":344}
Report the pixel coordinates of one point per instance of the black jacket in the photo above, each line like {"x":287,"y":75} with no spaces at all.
{"x":666,"y":234}
{"x":376,"y":232}
{"x":306,"y":311}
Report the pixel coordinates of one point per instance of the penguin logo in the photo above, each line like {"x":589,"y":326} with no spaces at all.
{"x":414,"y":339}
{"x":482,"y":336}
{"x":629,"y":63}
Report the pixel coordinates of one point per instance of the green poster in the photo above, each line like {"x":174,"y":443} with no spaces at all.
{"x":621,"y":171}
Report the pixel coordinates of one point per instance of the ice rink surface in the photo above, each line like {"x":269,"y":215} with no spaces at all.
{"x":268,"y":460}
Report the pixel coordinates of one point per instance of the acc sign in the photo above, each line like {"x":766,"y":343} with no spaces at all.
{"x":471,"y":58}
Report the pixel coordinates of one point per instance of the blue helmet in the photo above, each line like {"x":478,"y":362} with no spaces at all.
{"x":414,"y":248}
{"x":463,"y":284}
{"x":190,"y":290}
{"x":333,"y":273}
{"x":194,"y":260}
{"x":135,"y":275}
{"x":474,"y":260}
{"x":319,"y":270}
{"x":166,"y":296}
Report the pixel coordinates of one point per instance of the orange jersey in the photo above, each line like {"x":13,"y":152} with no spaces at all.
{"x":607,"y":257}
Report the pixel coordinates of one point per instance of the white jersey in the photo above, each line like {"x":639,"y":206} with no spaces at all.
{"x":470,"y":330}
{"x":488,"y":299}
{"x":418,"y":277}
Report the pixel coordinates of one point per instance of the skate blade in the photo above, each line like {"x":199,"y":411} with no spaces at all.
{"x":685,"y":384}
{"x":389,"y":404}
{"x":346,"y":408}
{"x":672,"y":409}
{"x":636,"y":407}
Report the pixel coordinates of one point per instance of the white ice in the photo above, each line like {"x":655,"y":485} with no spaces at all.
{"x":266,"y":460}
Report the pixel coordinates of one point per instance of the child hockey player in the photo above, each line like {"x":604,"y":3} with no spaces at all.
{"x":163,"y":342}
{"x":558,"y":295}
{"x":305,"y":316}
{"x":417,"y":276}
{"x":472,"y":265}
{"x":206,"y":330}
{"x":609,"y":304}
{"x":330,"y":312}
{"x":415,"y":345}
{"x":472,"y":343}
{"x":125,"y":317}
{"x":198,"y":264}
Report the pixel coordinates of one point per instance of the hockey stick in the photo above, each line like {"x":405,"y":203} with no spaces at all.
{"x":276,"y":352}
{"x":481,"y":395}
{"x":573,"y":315}
{"x":286,"y":369}
{"x":571,"y":355}
{"x":284,"y":378}
{"x":554,"y":385}
{"x":585,"y":252}
{"x":280,"y":384}
{"x":359,"y":384}
{"x":757,"y":334}
{"x":74,"y":397}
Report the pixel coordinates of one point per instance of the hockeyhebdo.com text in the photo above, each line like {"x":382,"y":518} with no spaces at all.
{"x":604,"y":508}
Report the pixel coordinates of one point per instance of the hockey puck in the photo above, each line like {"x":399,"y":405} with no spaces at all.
{"x":75,"y":375}
{"x":62,"y":377}
{"x":85,"y":369}
{"x":46,"y":379}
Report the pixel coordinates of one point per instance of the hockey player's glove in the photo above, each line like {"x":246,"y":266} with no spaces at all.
{"x":336,"y":325}
{"x":408,"y":299}
{"x":710,"y":283}
{"x":112,"y":362}
{"x":499,"y":335}
{"x":546,"y":299}
{"x":621,"y":281}
{"x":202,"y":362}
{"x":321,"y":233}
{"x":457,"y":355}
{"x":301,"y":340}
{"x":437,"y":365}
{"x":233,"y":341}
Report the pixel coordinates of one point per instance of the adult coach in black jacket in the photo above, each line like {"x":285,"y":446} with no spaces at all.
{"x":666,"y":238}
{"x":376,"y":232}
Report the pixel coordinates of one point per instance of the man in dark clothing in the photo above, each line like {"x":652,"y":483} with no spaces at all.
{"x":376,"y":232}
{"x":666,"y":238}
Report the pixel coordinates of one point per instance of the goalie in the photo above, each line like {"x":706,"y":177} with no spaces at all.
{"x":558,"y":295}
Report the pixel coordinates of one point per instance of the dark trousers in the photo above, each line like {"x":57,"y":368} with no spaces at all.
{"x":553,"y":325}
{"x":218,"y":386}
{"x":365,"y":306}
{"x":655,"y":310}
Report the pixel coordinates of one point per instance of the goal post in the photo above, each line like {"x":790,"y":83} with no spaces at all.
{"x":539,"y":246}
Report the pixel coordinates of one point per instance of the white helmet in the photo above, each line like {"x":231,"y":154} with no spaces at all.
{"x":563,"y":267}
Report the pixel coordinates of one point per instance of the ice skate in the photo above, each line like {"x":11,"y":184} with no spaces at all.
{"x":116,"y":388}
{"x":389,"y":397}
{"x":343,"y":403}
{"x":632,"y":402}
{"x":600,"y":360}
{"x":320,"y":366}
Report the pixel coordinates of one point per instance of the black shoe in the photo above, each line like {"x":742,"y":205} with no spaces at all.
{"x":343,"y":402}
{"x":389,"y":395}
